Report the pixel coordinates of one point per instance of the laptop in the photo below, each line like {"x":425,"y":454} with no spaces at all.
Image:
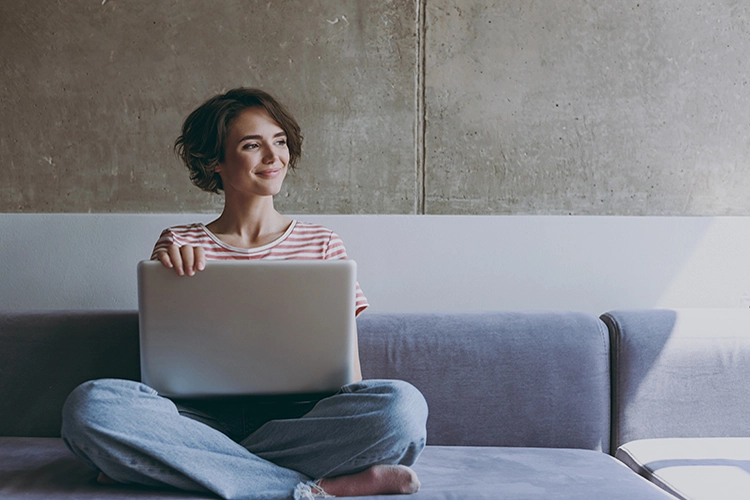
{"x":247,"y":328}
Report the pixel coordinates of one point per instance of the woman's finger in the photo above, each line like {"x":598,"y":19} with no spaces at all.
{"x":176,"y":257}
{"x":163,"y":257}
{"x":188,"y":259}
{"x":200,"y":258}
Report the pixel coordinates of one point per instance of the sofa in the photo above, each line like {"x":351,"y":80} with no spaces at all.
{"x":681,"y":399}
{"x":555,"y":405}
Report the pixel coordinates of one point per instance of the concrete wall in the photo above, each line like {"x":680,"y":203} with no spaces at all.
{"x":408,"y":106}
{"x":588,"y":107}
{"x":94,"y":93}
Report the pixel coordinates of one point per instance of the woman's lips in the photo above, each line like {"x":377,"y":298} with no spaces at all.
{"x":269,"y":173}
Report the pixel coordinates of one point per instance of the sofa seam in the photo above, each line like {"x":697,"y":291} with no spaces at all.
{"x":604,"y":336}
{"x":614,"y":331}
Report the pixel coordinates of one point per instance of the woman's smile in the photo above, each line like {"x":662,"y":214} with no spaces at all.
{"x":269,"y":173}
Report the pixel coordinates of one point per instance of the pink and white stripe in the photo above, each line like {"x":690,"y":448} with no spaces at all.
{"x":302,"y":241}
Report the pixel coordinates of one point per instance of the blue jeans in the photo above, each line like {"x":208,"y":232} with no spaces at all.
{"x":133,"y":435}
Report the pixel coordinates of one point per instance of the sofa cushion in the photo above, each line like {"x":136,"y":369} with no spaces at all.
{"x":43,"y":468}
{"x":676,"y":371}
{"x":693,"y":468}
{"x":46,"y":355}
{"x":501,"y":378}
{"x":491,"y":473}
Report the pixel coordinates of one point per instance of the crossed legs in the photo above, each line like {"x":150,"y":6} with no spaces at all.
{"x":359,"y":441}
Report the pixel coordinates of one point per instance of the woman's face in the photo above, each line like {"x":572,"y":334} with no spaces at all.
{"x":256,"y":155}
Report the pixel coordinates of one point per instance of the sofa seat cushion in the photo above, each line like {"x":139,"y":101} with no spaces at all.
{"x":693,"y":468}
{"x":491,"y":473}
{"x":43,"y":468}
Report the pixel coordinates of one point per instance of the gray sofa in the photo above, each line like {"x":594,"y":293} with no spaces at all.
{"x":681,"y":399}
{"x":522,"y":405}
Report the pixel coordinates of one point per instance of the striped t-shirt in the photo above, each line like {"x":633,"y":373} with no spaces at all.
{"x":301,"y":240}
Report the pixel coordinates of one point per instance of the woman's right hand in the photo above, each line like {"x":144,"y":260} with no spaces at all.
{"x":185,"y":260}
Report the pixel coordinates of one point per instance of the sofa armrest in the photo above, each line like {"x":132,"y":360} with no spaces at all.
{"x":680,"y":373}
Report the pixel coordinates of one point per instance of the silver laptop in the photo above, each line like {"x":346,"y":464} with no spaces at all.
{"x":247,"y":327}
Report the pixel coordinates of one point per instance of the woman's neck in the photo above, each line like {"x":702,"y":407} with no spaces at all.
{"x":250,"y":224}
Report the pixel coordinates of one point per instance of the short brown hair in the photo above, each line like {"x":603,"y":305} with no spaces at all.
{"x":202,"y":143}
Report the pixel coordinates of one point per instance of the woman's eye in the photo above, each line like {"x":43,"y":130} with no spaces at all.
{"x":281,"y":142}
{"x":249,"y":146}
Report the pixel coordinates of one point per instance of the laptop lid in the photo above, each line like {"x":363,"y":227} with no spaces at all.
{"x":247,"y":327}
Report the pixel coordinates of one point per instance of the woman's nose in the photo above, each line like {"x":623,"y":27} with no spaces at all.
{"x":269,"y":155}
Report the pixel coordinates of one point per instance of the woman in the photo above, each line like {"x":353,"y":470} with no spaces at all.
{"x":360,"y":441}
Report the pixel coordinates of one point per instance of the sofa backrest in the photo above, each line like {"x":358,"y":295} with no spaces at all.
{"x":511,"y":379}
{"x":44,"y":356}
{"x":538,"y":379}
{"x":680,"y":373}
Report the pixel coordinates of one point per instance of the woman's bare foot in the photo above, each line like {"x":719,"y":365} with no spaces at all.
{"x":377,"y":480}
{"x":102,"y":478}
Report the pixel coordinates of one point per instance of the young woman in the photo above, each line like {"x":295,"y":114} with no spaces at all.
{"x":360,"y":441}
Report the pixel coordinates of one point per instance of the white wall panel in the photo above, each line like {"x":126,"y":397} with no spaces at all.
{"x":416,"y":263}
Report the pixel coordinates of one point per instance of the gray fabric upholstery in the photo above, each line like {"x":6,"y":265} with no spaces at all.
{"x":43,"y":469}
{"x":680,"y":373}
{"x":693,"y":468}
{"x":537,"y":382}
{"x":43,"y":356}
{"x":501,"y":378}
